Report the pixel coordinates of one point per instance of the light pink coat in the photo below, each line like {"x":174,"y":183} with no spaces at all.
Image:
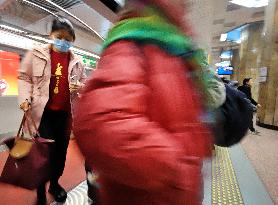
{"x":34,"y":79}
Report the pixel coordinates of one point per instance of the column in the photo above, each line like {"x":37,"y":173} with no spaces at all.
{"x":268,"y":91}
{"x":246,"y":60}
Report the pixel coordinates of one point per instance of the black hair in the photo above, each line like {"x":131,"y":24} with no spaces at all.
{"x":63,"y":23}
{"x":246,"y":80}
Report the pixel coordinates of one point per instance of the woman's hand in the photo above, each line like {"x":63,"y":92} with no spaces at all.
{"x":74,"y":87}
{"x":25,"y":106}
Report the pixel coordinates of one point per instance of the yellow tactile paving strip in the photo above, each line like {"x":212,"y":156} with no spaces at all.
{"x":225,"y":188}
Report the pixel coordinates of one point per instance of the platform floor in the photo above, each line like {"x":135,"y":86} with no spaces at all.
{"x":240,"y":175}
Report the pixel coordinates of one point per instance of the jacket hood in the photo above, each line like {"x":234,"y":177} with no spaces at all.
{"x":170,"y":9}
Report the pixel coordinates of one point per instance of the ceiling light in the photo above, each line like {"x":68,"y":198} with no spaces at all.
{"x":226,"y":54}
{"x":223,"y":37}
{"x":86,"y":53}
{"x":45,"y":40}
{"x":17,"y":41}
{"x":251,"y":3}
{"x":121,"y":2}
{"x":223,"y":64}
{"x":9,"y":28}
{"x":20,"y":41}
{"x":254,"y":50}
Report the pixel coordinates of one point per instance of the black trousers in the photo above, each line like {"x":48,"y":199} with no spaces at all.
{"x":251,"y":127}
{"x":56,"y":125}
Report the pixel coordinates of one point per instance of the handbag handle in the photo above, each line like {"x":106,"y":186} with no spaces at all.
{"x":26,"y":118}
{"x":20,"y":132}
{"x":25,"y":121}
{"x":30,"y":118}
{"x":21,"y":126}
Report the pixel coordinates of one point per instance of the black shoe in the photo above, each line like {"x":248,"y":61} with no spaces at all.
{"x":255,"y":132}
{"x":58,"y":192}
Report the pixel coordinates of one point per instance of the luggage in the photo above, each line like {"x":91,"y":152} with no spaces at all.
{"x":28,"y":164}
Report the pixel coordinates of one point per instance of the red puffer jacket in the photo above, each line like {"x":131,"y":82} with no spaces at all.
{"x":137,"y":123}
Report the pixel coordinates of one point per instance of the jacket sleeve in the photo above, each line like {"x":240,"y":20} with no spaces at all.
{"x":249,"y":95}
{"x":114,"y":131}
{"x":214,"y":88}
{"x":83,"y":76}
{"x":254,"y":102}
{"x":25,"y":84}
{"x":247,"y":92}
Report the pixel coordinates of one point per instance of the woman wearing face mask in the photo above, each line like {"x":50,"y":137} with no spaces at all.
{"x":49,"y":79}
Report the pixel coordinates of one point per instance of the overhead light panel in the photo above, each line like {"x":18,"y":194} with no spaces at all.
{"x":121,"y":2}
{"x":15,"y":40}
{"x":86,"y":53}
{"x":45,"y":40}
{"x":223,"y":64}
{"x":18,"y":41}
{"x":223,"y":37}
{"x":226,"y":54}
{"x":251,"y":3}
{"x":9,"y":28}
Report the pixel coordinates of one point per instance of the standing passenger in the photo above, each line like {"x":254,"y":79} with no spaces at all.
{"x":141,"y":130}
{"x":246,"y":89}
{"x":48,"y":79}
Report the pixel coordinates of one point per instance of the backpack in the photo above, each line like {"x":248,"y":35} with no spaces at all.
{"x":232,"y":119}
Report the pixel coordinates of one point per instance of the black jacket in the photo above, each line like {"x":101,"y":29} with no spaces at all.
{"x":247,"y":91}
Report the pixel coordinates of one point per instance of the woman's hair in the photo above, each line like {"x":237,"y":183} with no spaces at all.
{"x":63,"y":23}
{"x":246,"y":80}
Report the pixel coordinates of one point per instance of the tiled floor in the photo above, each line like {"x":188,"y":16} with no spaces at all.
{"x":229,"y":178}
{"x":78,"y":196}
{"x":262,"y":152}
{"x":225,"y":188}
{"x":251,"y":187}
{"x":73,"y":175}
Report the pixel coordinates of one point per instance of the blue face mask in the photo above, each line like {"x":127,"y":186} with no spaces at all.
{"x":62,"y":45}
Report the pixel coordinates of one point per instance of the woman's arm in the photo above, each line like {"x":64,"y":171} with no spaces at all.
{"x":25,"y":84}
